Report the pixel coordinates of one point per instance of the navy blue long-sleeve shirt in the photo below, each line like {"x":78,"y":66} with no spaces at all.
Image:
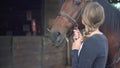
{"x":93,"y":54}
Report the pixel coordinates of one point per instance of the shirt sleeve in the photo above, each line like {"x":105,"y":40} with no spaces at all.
{"x":74,"y":54}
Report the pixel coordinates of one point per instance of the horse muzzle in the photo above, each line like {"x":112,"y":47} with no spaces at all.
{"x":57,"y":38}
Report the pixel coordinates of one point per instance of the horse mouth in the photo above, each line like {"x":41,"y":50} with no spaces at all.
{"x":58,"y":40}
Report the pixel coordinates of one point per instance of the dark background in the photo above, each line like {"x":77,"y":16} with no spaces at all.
{"x":13,"y":16}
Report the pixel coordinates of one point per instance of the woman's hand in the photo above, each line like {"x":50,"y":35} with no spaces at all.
{"x":77,"y":39}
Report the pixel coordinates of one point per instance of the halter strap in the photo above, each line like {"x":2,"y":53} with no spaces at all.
{"x":72,"y":20}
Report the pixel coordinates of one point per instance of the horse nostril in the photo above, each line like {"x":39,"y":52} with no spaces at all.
{"x":55,"y":36}
{"x":58,"y":34}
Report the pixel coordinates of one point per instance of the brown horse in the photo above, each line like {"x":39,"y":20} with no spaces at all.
{"x":70,"y":17}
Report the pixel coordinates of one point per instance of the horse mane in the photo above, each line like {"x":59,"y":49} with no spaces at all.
{"x":112,"y":15}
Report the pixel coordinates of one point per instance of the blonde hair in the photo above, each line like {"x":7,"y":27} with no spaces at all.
{"x":93,"y":16}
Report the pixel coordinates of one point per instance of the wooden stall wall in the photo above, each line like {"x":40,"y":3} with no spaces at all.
{"x":30,"y":52}
{"x":5,"y":52}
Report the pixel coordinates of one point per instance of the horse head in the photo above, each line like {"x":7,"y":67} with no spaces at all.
{"x":68,"y":18}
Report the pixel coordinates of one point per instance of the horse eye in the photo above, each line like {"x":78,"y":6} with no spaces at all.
{"x":77,"y":2}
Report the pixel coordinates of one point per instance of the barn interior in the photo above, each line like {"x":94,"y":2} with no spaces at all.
{"x":23,"y":26}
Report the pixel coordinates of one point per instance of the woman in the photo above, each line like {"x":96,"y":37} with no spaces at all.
{"x":91,"y":49}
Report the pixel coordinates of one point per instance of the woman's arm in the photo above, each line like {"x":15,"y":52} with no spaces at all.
{"x":75,"y":60}
{"x":75,"y":48}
